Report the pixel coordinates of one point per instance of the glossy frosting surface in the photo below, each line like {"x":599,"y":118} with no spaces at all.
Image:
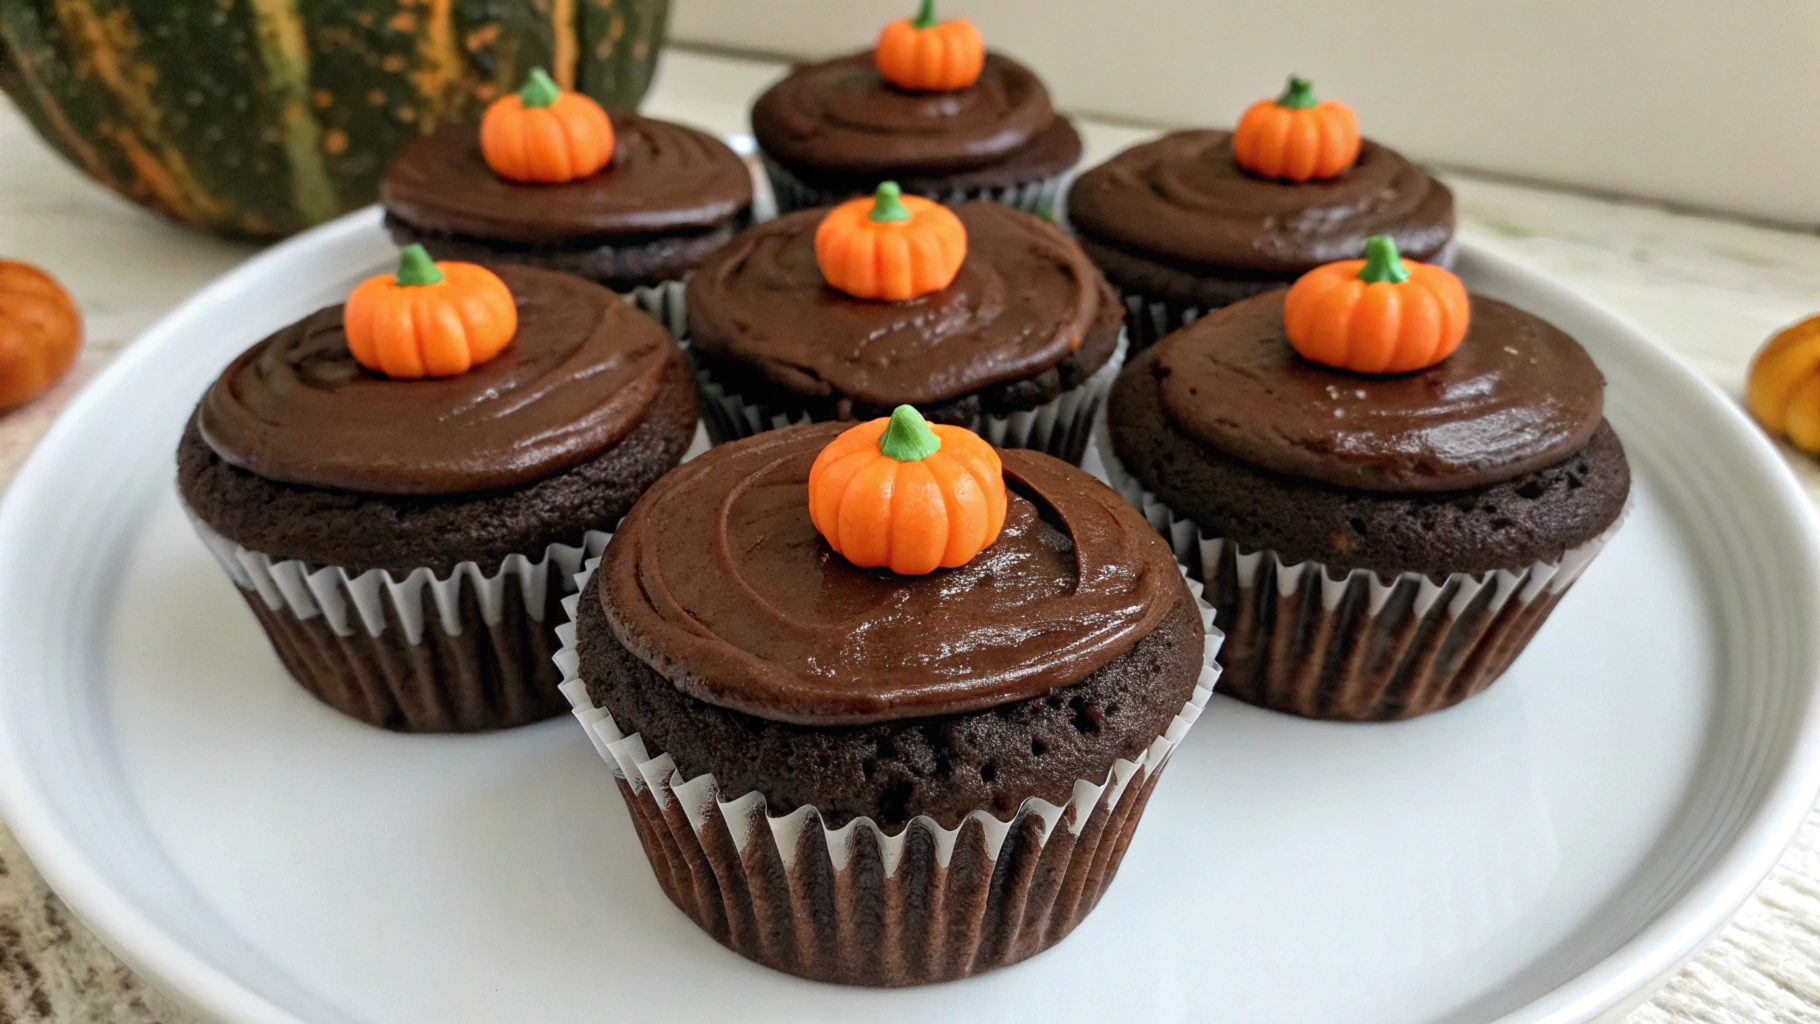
{"x":718,"y":580}
{"x":1184,"y":199}
{"x":840,"y":116}
{"x":581,"y":372}
{"x":664,"y":178}
{"x":1517,"y":396}
{"x":1023,"y":300}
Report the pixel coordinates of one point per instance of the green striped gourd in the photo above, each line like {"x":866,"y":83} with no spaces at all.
{"x":261,"y":117}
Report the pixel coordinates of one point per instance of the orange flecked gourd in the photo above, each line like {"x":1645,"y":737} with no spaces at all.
{"x":923,"y":55}
{"x":40,"y":332}
{"x":1378,"y":314}
{"x":892,"y":246}
{"x":544,"y":135}
{"x":1783,"y":389}
{"x":1297,"y":137}
{"x":430,"y":319}
{"x":905,"y":495}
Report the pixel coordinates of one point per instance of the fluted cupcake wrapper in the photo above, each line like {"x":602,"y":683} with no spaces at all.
{"x":1059,"y":427}
{"x":1325,"y":642}
{"x":665,"y":302}
{"x":1041,"y":197}
{"x":465,"y":652}
{"x":859,"y":905}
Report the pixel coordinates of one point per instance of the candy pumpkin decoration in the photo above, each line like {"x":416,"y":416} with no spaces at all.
{"x":1378,"y":314}
{"x":922,"y":55}
{"x":1783,"y":391}
{"x":544,"y":135}
{"x":898,"y":493}
{"x":1297,"y":137}
{"x":40,"y":332}
{"x":891,"y":247}
{"x":430,"y":319}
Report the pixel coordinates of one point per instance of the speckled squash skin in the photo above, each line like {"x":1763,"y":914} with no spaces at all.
{"x":259,"y":118}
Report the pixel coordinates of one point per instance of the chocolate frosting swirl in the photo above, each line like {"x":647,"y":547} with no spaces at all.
{"x":718,"y":580}
{"x":1517,"y":396}
{"x":1023,"y":300}
{"x":664,"y":178}
{"x":582,"y":371}
{"x":1184,"y":198}
{"x":840,"y":116}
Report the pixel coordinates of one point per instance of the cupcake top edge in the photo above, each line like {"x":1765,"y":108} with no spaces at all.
{"x":1517,"y":395}
{"x":662,"y":177}
{"x":1025,"y":297}
{"x":719,"y":580}
{"x":580,"y":370}
{"x":841,"y":116}
{"x":1185,"y":200}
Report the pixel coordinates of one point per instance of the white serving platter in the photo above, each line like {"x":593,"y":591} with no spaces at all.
{"x":1547,"y":852}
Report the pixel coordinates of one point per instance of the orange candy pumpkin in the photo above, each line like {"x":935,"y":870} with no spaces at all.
{"x":1378,"y":314}
{"x":1296,"y":137}
{"x":1783,"y":390}
{"x":899,"y":493}
{"x":40,"y":332}
{"x":545,"y":135}
{"x":922,"y":55}
{"x":892,"y":246}
{"x":430,"y":319}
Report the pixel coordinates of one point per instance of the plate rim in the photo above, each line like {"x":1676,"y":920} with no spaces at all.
{"x":1635,"y":968}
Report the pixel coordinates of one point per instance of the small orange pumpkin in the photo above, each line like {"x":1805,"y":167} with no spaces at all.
{"x":430,"y":319}
{"x":545,"y":135}
{"x":1378,"y":314}
{"x":898,"y":493}
{"x":922,"y":55}
{"x":1296,"y":137}
{"x":40,"y":332}
{"x":1783,"y":391}
{"x":891,"y":247}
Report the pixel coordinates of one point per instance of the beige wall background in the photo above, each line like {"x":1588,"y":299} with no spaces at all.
{"x":1705,"y":103}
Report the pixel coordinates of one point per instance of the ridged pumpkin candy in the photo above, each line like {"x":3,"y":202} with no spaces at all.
{"x":40,"y":332}
{"x":1783,"y":391}
{"x":263,"y":119}
{"x":1297,"y":137}
{"x":430,"y":319}
{"x":900,"y":494}
{"x":891,"y":246}
{"x":1378,"y":314}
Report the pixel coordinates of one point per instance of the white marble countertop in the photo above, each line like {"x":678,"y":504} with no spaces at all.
{"x":1710,"y":289}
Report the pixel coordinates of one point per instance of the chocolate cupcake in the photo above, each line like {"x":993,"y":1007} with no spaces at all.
{"x":1381,"y":538}
{"x":406,"y":542}
{"x":1199,"y":219}
{"x":928,"y":107}
{"x":873,"y":778}
{"x":1011,"y":332}
{"x":635,"y":213}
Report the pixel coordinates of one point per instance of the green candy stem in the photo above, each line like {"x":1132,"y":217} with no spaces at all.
{"x":416,"y":268}
{"x":1299,"y":95}
{"x":925,"y":16}
{"x":1382,"y":262}
{"x":907,"y":438}
{"x":540,"y":90}
{"x":888,"y":204}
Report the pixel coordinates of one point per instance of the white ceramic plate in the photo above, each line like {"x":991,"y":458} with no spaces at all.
{"x":1545,"y":852}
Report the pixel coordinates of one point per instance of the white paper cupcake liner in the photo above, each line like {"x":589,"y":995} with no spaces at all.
{"x":860,"y":905}
{"x":1040,"y":197}
{"x":1059,"y":427}
{"x":1324,"y":642}
{"x":419,"y":652}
